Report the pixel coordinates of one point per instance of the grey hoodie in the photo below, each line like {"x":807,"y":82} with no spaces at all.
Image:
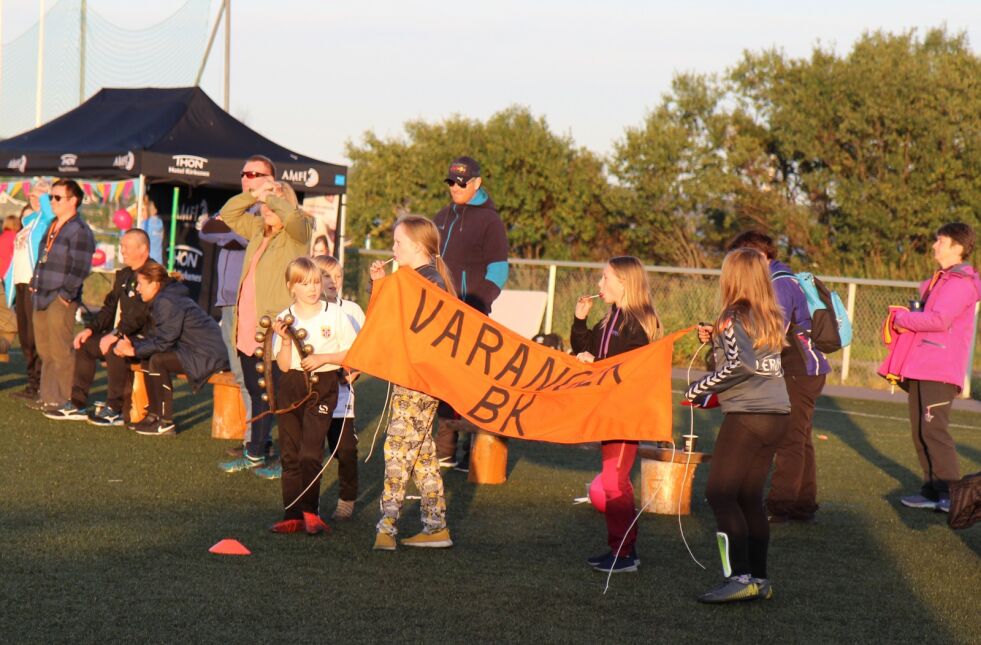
{"x":745,"y":379}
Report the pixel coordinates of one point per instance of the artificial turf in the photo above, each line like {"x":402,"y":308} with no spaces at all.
{"x":104,"y":536}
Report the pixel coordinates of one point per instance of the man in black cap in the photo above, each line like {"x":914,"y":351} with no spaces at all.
{"x":474,"y":245}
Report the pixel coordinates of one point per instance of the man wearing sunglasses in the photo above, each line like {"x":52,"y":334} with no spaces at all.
{"x":64,"y":261}
{"x":257,"y":170}
{"x":474,"y":245}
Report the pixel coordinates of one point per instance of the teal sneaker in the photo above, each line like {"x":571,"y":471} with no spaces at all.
{"x":272,"y":470}
{"x":242,"y":463}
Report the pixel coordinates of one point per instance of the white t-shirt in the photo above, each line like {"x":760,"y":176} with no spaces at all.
{"x":329,"y":331}
{"x":23,"y":271}
{"x":345,"y":394}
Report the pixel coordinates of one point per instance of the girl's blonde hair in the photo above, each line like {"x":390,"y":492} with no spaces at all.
{"x":424,"y":233}
{"x":301,"y":271}
{"x":745,"y":288}
{"x":327,"y":262}
{"x":636,"y":303}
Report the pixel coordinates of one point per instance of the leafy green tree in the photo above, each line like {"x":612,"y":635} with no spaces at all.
{"x":881,"y":146}
{"x":551,"y":195}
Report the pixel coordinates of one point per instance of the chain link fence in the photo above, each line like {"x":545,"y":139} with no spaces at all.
{"x":684,"y":297}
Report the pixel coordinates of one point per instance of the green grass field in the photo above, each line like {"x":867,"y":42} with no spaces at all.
{"x":105,"y":537}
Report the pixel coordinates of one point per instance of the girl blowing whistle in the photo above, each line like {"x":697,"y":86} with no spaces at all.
{"x":631,"y":322}
{"x":302,"y":430}
{"x":409,"y":447}
{"x":748,"y":379}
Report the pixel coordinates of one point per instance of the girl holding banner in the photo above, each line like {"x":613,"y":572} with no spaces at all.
{"x":631,"y":322}
{"x":747,"y":382}
{"x":409,"y":447}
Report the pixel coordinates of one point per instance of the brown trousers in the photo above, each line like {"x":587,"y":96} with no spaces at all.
{"x":53,"y":333}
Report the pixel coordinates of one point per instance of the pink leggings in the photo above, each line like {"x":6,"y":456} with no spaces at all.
{"x":618,"y":460}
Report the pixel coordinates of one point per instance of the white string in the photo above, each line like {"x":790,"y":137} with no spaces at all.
{"x":691,"y":431}
{"x":381,"y":418}
{"x":326,"y":463}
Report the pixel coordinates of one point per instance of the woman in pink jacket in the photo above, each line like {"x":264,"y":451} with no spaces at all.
{"x":933,"y":369}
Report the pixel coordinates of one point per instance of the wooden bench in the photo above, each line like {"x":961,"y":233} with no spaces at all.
{"x":664,"y":480}
{"x":228,"y":414}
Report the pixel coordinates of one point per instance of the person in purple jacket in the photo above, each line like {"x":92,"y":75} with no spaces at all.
{"x":793,"y":485}
{"x":933,"y":370}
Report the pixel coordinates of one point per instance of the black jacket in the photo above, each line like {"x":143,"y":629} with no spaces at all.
{"x":628,"y":335}
{"x":474,"y":245}
{"x":134,"y":314}
{"x":179,"y":325}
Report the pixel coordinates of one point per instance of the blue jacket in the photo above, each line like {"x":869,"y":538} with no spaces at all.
{"x":231,"y":258}
{"x":179,"y":325}
{"x":38,"y":223}
{"x":800,"y":358}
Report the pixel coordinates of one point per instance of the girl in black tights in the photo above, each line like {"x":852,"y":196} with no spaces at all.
{"x":748,"y":381}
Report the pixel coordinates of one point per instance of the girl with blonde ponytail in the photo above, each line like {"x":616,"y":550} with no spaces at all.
{"x":409,"y":446}
{"x":629,"y":323}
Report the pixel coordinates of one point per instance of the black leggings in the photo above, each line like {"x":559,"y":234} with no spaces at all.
{"x":743,"y":454}
{"x":158,"y":370}
{"x":342,"y":429}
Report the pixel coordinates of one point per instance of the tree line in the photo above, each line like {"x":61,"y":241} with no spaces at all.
{"x":850,"y":162}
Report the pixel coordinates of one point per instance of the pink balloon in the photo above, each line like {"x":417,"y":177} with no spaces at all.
{"x":122,"y":219}
{"x":98,"y":258}
{"x":597,"y":496}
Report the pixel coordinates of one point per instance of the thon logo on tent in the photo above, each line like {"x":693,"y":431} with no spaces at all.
{"x":189,"y":165}
{"x":69,"y":163}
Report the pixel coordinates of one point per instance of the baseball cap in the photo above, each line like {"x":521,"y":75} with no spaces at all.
{"x":463,"y":169}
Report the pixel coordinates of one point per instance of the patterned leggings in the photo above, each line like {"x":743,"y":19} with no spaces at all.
{"x":411,"y":452}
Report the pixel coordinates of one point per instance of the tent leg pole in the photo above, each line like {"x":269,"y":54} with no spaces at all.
{"x":340,"y":234}
{"x":140,"y":198}
{"x":173,"y":228}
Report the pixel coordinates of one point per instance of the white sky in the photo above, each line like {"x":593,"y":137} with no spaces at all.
{"x":313,"y":74}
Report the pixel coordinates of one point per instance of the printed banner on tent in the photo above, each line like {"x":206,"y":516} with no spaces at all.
{"x":420,"y":337}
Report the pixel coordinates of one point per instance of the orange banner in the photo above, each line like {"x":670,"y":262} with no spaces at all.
{"x":418,"y":336}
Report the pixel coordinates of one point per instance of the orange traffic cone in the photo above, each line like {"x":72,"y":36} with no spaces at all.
{"x":229,"y":547}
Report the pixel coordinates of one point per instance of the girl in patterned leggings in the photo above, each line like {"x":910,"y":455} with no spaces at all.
{"x":409,"y":447}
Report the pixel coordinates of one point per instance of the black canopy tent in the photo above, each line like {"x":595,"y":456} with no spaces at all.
{"x":174,"y":135}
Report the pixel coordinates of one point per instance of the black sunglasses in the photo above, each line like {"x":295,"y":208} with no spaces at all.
{"x":462,"y":183}
{"x":251,"y":174}
{"x":58,"y":198}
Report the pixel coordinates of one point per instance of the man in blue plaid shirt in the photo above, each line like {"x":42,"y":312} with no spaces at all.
{"x":64,"y":261}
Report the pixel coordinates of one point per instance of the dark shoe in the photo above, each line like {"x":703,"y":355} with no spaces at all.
{"x":463,"y":465}
{"x":41,"y":406}
{"x":160,"y":428}
{"x":943,"y":506}
{"x":67,"y":412}
{"x":617,"y":564}
{"x":106,"y":417}
{"x":313,"y":524}
{"x":778,"y":518}
{"x":596,"y":560}
{"x":25,"y":394}
{"x":732,"y":589}
{"x":287,"y":526}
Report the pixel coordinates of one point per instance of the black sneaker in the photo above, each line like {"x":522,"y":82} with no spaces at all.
{"x":597,"y":560}
{"x":66,"y":412}
{"x":106,"y":417}
{"x":463,"y":465}
{"x":157,"y":428}
{"x":617,"y":564}
{"x":734,"y":589}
